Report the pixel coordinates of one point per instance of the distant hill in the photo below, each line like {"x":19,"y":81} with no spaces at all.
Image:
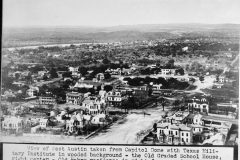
{"x":22,"y":36}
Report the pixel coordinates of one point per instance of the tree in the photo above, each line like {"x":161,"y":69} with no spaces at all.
{"x":150,"y":91}
{"x":53,"y":73}
{"x":155,"y":127}
{"x":107,"y":75}
{"x":17,"y":76}
{"x":108,"y":88}
{"x":176,"y":103}
{"x":106,"y":61}
{"x":29,"y":78}
{"x":11,"y":99}
{"x":67,"y":74}
{"x":83,"y":70}
{"x":180,"y":71}
{"x":201,"y":78}
{"x":170,"y":63}
{"x":45,"y":77}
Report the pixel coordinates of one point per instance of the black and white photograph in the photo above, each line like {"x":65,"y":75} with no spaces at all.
{"x":125,"y":72}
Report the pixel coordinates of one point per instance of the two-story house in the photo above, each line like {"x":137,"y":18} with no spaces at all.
{"x":114,"y":98}
{"x":174,"y":133}
{"x":199,"y":104}
{"x":74,"y":98}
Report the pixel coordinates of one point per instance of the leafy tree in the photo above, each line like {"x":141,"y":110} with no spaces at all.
{"x":29,"y":78}
{"x":45,"y":77}
{"x":53,"y":73}
{"x":176,"y":103}
{"x":201,"y":78}
{"x":36,"y":68}
{"x":170,"y":63}
{"x":17,"y":76}
{"x":82,"y":90}
{"x":106,"y":61}
{"x":83,"y":70}
{"x":67,"y":74}
{"x":11,"y":99}
{"x":158,"y":64}
{"x":155,"y":127}
{"x":180,"y":71}
{"x":107,"y":75}
{"x":108,"y":88}
{"x":150,"y":92}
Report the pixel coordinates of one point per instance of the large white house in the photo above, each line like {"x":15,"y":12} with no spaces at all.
{"x":12,"y":123}
{"x":200,"y":104}
{"x":174,"y":133}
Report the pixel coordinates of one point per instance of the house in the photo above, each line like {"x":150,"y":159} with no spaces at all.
{"x":32,"y":92}
{"x":223,"y":79}
{"x":167,"y":93}
{"x":177,"y":117}
{"x":114,"y":98}
{"x":12,"y":123}
{"x":100,"y":76}
{"x":113,"y":82}
{"x":75,"y":123}
{"x":217,"y":85}
{"x":73,"y":69}
{"x":99,"y":119}
{"x":42,"y":73}
{"x":166,"y":71}
{"x":87,"y":84}
{"x":126,"y":71}
{"x":199,"y":104}
{"x":156,"y":87}
{"x":47,"y":99}
{"x":19,"y":83}
{"x":63,"y":116}
{"x":174,"y":133}
{"x":76,"y":74}
{"x":206,"y":127}
{"x":229,"y":55}
{"x":94,"y":106}
{"x":43,"y":123}
{"x":102,"y":93}
{"x":116,"y":71}
{"x":74,"y":98}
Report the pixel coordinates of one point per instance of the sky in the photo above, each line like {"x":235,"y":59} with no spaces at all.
{"x":118,"y":12}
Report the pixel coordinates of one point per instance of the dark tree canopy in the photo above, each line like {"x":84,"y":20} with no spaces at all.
{"x":53,"y":73}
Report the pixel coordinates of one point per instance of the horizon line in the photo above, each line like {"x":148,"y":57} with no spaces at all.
{"x":96,"y":26}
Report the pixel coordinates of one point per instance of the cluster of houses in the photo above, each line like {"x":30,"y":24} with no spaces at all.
{"x":195,"y":126}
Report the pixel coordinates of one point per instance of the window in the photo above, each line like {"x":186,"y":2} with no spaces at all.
{"x":182,"y":140}
{"x":186,"y":134}
{"x":186,"y":140}
{"x":176,"y":132}
{"x":182,"y":134}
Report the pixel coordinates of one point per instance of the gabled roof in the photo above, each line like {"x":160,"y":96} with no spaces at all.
{"x":87,"y":101}
{"x":43,"y":120}
{"x":162,"y":125}
{"x":182,"y":127}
